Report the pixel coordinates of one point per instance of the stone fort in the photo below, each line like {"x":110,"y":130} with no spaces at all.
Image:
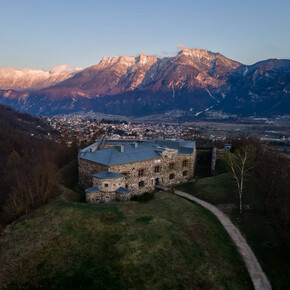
{"x":116,"y":170}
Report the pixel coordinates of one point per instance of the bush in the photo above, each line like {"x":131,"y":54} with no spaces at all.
{"x":70,"y":195}
{"x":144,"y":197}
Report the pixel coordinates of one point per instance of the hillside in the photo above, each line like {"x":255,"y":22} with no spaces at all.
{"x":23,"y":122}
{"x":29,"y":163}
{"x":195,"y":80}
{"x":167,"y":242}
{"x":269,"y":242}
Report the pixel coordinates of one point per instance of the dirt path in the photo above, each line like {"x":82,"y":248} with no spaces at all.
{"x":258,"y":277}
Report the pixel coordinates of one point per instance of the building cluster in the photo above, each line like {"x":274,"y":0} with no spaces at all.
{"x":76,"y":129}
{"x":88,"y":130}
{"x":85,"y":129}
{"x":116,"y":170}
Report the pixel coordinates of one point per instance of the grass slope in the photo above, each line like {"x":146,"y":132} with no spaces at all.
{"x":167,"y":242}
{"x":269,"y":243}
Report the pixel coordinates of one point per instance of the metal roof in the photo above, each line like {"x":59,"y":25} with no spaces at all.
{"x":92,"y":189}
{"x":122,"y":190}
{"x":108,"y":175}
{"x":144,"y":150}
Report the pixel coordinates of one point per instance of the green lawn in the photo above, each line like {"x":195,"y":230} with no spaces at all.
{"x":268,"y":242}
{"x":221,"y":189}
{"x":165,"y":243}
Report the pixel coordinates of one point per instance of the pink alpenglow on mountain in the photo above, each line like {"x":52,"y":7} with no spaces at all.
{"x":31,"y":79}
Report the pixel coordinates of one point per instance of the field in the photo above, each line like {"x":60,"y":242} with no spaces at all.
{"x":167,"y":242}
{"x":268,"y":242}
{"x":269,"y":128}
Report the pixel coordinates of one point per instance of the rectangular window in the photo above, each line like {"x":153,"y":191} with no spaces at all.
{"x":184,"y":163}
{"x":126,"y":186}
{"x":106,"y":185}
{"x":157,"y":169}
{"x":184,"y":173}
{"x":171,"y":176}
{"x":171,"y":166}
{"x":140,"y":172}
{"x":141,"y":184}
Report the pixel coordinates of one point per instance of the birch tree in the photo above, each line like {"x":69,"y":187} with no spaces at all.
{"x":240,"y":163}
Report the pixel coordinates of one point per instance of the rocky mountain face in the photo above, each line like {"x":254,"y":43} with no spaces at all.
{"x":31,"y":79}
{"x":261,"y":88}
{"x":191,"y":68}
{"x":194,"y":80}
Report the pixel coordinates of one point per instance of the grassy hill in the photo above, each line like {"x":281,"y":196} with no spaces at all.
{"x":269,"y":242}
{"x":167,"y":242}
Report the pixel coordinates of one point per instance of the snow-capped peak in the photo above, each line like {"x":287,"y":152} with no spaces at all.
{"x":27,"y":78}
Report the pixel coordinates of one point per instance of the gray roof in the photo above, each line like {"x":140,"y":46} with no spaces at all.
{"x":92,"y":189}
{"x":122,"y":190}
{"x":144,"y":151}
{"x":183,"y":147}
{"x":108,"y":175}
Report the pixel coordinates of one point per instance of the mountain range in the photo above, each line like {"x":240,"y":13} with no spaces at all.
{"x":193,"y":81}
{"x":31,"y":79}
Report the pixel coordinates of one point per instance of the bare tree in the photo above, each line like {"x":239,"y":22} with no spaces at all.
{"x":240,"y":163}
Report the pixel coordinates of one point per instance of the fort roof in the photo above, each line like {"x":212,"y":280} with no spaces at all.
{"x":130,"y":151}
{"x":122,"y":190}
{"x":92,"y":189}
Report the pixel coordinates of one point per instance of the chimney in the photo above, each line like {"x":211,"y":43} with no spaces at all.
{"x":120,"y":148}
{"x":95,"y":148}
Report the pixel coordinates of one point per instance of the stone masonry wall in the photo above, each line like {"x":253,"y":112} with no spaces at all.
{"x":86,"y":171}
{"x":109,"y":185}
{"x":123,"y":197}
{"x":172,"y":169}
{"x":149,"y":177}
{"x":98,"y":197}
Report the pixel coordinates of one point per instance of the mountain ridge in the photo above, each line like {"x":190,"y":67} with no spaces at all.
{"x":32,"y":79}
{"x":193,"y":80}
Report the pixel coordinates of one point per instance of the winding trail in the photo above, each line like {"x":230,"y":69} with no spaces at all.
{"x":259,"y":279}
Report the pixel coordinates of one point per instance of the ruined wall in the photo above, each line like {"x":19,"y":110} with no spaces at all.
{"x":86,"y":171}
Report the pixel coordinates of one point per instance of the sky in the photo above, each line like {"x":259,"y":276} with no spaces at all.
{"x":47,"y":33}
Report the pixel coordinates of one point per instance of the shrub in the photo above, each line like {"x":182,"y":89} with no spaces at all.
{"x":144,"y":197}
{"x":71,"y":195}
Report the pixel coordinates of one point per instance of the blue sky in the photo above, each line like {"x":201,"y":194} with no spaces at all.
{"x":43,"y":34}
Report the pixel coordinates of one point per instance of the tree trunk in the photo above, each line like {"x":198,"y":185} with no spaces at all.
{"x":241,"y":203}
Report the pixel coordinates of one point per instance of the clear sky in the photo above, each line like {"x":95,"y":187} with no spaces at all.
{"x":46,"y":33}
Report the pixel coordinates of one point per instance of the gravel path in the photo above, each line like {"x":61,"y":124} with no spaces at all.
{"x":258,"y":277}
